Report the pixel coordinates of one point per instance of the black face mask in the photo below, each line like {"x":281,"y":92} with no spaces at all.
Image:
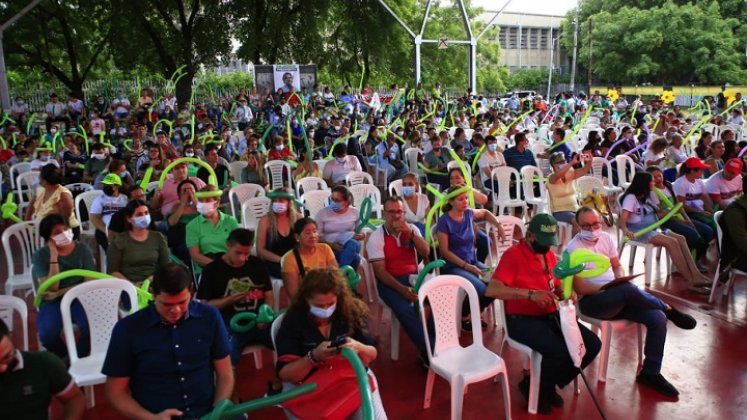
{"x":108,"y":190}
{"x":539,"y":248}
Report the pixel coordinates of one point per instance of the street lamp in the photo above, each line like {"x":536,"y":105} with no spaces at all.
{"x":552,"y":66}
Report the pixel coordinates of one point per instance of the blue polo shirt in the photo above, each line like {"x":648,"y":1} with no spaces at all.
{"x":169,"y":366}
{"x":518,"y":160}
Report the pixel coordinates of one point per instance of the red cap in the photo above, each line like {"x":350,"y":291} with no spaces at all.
{"x":695,"y":163}
{"x":734,"y":166}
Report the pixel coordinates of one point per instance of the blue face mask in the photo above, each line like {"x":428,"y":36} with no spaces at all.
{"x":492,"y":147}
{"x":408,"y":191}
{"x":322,"y":313}
{"x":141,"y":222}
{"x":335,"y":206}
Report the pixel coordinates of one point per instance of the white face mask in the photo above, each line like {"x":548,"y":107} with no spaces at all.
{"x":279,"y":147}
{"x":279,"y":208}
{"x":63,"y":239}
{"x":99,"y":156}
{"x":322,"y":313}
{"x":141,"y":222}
{"x":53,"y":130}
{"x":189,"y":154}
{"x":590,"y":235}
{"x":205,"y":209}
{"x":340,"y":160}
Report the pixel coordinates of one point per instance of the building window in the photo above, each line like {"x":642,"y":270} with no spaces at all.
{"x":533,"y":38}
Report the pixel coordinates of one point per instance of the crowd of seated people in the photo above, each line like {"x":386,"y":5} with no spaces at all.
{"x":192,"y":243}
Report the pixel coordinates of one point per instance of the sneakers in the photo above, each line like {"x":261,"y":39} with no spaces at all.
{"x":658,"y":383}
{"x":680,"y":319}
{"x":546,"y":400}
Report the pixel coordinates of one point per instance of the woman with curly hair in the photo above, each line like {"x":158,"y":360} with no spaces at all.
{"x":323,"y":318}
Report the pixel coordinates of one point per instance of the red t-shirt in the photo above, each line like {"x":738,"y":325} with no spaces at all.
{"x":279,"y":155}
{"x":520,"y":268}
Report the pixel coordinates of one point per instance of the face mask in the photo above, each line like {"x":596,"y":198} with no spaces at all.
{"x":63,"y":239}
{"x":123,"y":174}
{"x":590,"y":235}
{"x":279,"y":147}
{"x":322,"y":313}
{"x":408,"y":191}
{"x":539,"y":248}
{"x":108,"y":190}
{"x":189,"y":154}
{"x":205,"y":208}
{"x":54,"y":130}
{"x":99,"y":156}
{"x":492,"y":147}
{"x":19,"y":102}
{"x":177,"y":137}
{"x":44,"y":158}
{"x":279,"y":208}
{"x":141,"y":222}
{"x":335,"y":206}
{"x":340,"y":160}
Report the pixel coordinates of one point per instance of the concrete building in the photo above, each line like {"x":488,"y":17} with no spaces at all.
{"x":234,"y":65}
{"x":526,"y":40}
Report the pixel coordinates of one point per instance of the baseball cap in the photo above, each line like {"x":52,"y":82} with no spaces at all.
{"x":112,"y":179}
{"x":695,"y":163}
{"x":734,"y":166}
{"x":545,"y":228}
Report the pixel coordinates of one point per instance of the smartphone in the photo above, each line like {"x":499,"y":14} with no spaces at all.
{"x":338,"y":341}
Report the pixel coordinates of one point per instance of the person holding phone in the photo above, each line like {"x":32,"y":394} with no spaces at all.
{"x":561,"y":189}
{"x":607,"y":296}
{"x":323,"y":314}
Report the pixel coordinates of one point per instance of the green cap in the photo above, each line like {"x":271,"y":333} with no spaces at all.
{"x":545,"y":229}
{"x":112,"y":179}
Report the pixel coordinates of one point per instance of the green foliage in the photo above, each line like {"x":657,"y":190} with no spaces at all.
{"x":526,"y":79}
{"x":662,"y":42}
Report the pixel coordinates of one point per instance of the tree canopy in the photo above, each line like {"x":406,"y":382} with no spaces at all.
{"x":661,"y":42}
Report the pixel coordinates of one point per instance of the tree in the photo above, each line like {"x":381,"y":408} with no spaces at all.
{"x":166,"y":36}
{"x":66,"y":40}
{"x":662,"y":42}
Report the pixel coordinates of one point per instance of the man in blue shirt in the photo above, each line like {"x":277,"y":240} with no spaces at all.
{"x":171,"y":358}
{"x":519,"y":156}
{"x":558,"y":136}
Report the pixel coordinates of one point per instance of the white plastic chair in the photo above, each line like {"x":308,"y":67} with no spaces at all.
{"x":314,"y":201}
{"x":732,"y":272}
{"x":242,"y":192}
{"x":503,"y":177}
{"x":586,"y":185}
{"x":534,"y":357}
{"x":498,"y":247}
{"x":254,"y":209}
{"x":274,"y":328}
{"x":460,"y":366}
{"x":100,"y":301}
{"x":28,"y":241}
{"x":361,"y":191}
{"x":79,"y":188}
{"x":309,"y":183}
{"x":236,"y":167}
{"x":278,"y":173}
{"x":87,"y":227}
{"x":648,"y":252}
{"x":26,"y":184}
{"x":625,"y":170}
{"x":358,"y":177}
{"x":530,"y":174}
{"x":597,"y":171}
{"x":9,"y":305}
{"x":411,"y":158}
{"x":606,"y":327}
{"x":16,"y":170}
{"x":321,"y":163}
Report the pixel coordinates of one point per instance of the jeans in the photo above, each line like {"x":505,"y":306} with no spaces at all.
{"x":697,"y":237}
{"x":627,"y":301}
{"x":480,"y":285}
{"x":403,"y":310}
{"x":350,"y":254}
{"x":49,"y":326}
{"x":239,"y":341}
{"x":543,"y":334}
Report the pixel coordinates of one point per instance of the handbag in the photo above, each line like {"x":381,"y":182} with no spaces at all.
{"x":336,"y":397}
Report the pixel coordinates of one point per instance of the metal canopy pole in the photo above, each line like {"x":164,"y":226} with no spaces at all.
{"x":4,"y":90}
{"x":471,"y":42}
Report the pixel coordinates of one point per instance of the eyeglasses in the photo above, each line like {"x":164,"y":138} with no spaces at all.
{"x":591,"y":226}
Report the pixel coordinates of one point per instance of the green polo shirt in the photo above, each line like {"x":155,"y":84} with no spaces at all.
{"x":210,"y":238}
{"x":26,"y":391}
